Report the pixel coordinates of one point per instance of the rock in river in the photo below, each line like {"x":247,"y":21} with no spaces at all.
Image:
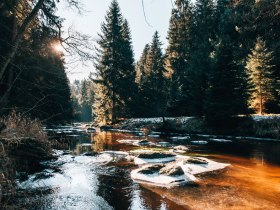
{"x":171,"y":169}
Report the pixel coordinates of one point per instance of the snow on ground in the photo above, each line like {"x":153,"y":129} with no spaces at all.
{"x":264,"y":117}
{"x":158,"y":119}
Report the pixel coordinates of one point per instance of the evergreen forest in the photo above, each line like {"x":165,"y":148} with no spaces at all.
{"x":221,"y":61}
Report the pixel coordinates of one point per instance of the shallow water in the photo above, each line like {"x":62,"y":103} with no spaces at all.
{"x":87,"y":182}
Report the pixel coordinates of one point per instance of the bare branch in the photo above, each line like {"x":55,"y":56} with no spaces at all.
{"x":144,"y":13}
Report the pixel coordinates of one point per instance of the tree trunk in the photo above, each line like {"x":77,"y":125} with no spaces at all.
{"x":18,"y":38}
{"x":113,"y":109}
{"x":261,"y":105}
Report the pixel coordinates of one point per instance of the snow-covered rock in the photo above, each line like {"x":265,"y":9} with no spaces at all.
{"x":171,"y":169}
{"x":180,"y":138}
{"x":221,"y":140}
{"x":198,"y":168}
{"x":154,"y":157}
{"x":179,"y":149}
{"x":163,"y":144}
{"x":159,"y":177}
{"x":199,"y":142}
{"x":142,"y":142}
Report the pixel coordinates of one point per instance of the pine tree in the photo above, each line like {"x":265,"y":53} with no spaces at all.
{"x":114,"y":65}
{"x":261,"y":76}
{"x":202,"y":35}
{"x":177,"y":56}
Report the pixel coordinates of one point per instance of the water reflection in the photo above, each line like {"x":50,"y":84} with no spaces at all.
{"x":251,"y":182}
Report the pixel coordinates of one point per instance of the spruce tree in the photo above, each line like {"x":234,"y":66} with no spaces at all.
{"x":141,"y":64}
{"x":114,"y":65}
{"x":153,"y":83}
{"x":127,"y":86}
{"x":225,"y":95}
{"x":177,"y":56}
{"x":261,"y":76}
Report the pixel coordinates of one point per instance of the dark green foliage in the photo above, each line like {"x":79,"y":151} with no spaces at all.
{"x":177,"y":57}
{"x":224,"y":100}
{"x":86,"y":101}
{"x":42,"y":88}
{"x":152,"y":81}
{"x":115,"y":79}
{"x":202,"y":36}
{"x":35,"y":83}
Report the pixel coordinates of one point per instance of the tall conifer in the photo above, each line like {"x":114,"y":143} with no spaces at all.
{"x":114,"y":65}
{"x":177,"y":56}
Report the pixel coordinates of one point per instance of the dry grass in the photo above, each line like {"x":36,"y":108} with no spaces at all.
{"x":19,"y":126}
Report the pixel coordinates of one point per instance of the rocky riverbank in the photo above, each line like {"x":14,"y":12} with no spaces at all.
{"x":18,"y":157}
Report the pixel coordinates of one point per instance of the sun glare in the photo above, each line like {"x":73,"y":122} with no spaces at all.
{"x":58,"y":47}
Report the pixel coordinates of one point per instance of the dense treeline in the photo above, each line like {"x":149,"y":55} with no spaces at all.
{"x":82,"y":99}
{"x":222,"y":60}
{"x":34,"y":81}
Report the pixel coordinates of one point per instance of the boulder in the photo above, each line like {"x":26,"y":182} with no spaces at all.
{"x":143,"y":143}
{"x":155,"y":155}
{"x":151,"y":169}
{"x":171,"y":170}
{"x":194,"y":160}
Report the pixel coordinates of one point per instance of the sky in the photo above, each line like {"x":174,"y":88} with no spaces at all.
{"x":157,"y":14}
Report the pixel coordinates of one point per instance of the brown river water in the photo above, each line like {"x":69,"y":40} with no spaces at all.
{"x":252,"y":181}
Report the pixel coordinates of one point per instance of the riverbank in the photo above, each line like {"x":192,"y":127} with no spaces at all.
{"x":246,"y":127}
{"x":23,"y":145}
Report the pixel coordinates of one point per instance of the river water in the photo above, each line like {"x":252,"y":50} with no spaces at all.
{"x":77,"y":181}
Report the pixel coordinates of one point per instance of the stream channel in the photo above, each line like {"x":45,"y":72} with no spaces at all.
{"x":79,"y":181}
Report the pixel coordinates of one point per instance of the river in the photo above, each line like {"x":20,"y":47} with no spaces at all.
{"x":77,"y":181}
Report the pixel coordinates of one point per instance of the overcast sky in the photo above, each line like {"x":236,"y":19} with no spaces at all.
{"x":157,"y":14}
